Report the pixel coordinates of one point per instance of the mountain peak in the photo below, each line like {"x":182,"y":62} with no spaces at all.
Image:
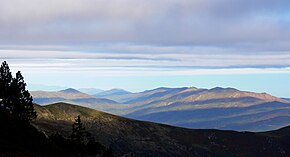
{"x":220,"y":89}
{"x":69,"y":90}
{"x":114,"y":91}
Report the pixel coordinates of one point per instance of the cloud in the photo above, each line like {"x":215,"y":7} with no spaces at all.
{"x":82,"y":42}
{"x":230,"y":23}
{"x":143,"y":64}
{"x":165,"y":37}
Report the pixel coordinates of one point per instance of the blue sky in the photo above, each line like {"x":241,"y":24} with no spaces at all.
{"x":143,"y":44}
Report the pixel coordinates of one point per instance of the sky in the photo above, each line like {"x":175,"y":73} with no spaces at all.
{"x":144,"y":44}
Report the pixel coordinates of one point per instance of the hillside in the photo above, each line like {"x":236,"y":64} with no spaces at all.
{"x":127,"y":136}
{"x":262,"y":117}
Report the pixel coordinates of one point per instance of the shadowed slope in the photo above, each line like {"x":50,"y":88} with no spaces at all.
{"x":259,"y":117}
{"x":144,"y":138}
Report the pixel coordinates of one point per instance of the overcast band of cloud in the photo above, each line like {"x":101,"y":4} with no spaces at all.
{"x":167,"y":37}
{"x":157,"y":64}
{"x":249,"y":24}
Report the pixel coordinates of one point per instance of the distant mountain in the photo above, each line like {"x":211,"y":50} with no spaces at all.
{"x":128,"y":98}
{"x":113,"y":94}
{"x":129,"y":137}
{"x":219,"y":108}
{"x":288,"y":99}
{"x":69,"y":93}
{"x":91,"y":91}
{"x":74,"y":96}
{"x":170,"y":99}
{"x":189,"y":94}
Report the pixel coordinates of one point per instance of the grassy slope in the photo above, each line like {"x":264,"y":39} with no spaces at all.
{"x":151,"y":139}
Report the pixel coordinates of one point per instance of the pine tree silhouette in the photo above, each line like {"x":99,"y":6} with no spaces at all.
{"x":78,"y":131}
{"x":5,"y":81}
{"x":22,"y":107}
{"x":15,"y":100}
{"x":84,"y":143}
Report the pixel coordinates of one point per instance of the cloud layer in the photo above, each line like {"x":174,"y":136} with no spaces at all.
{"x":156,"y":37}
{"x":244,"y":23}
{"x":138,"y":64}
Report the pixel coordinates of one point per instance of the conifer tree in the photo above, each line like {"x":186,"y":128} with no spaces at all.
{"x":5,"y":76}
{"x":5,"y":81}
{"x":21,"y":102}
{"x":15,"y":100}
{"x":78,"y":131}
{"x":84,"y":143}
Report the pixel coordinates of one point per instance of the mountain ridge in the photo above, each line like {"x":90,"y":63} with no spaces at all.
{"x":68,"y":93}
{"x":124,"y":98}
{"x":69,"y":90}
{"x":178,"y":106}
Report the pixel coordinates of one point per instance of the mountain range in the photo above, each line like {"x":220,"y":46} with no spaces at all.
{"x":218,"y":108}
{"x":74,"y":96}
{"x":128,"y":137}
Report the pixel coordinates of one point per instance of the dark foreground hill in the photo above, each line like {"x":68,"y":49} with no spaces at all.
{"x":138,"y":138}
